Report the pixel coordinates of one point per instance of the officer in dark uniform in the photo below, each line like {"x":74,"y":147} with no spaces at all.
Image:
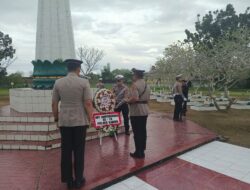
{"x":185,"y":88}
{"x":139,"y":110}
{"x":178,"y":98}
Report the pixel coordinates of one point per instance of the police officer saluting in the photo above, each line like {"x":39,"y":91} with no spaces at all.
{"x":75,"y":112}
{"x":121,"y":93}
{"x":138,"y":104}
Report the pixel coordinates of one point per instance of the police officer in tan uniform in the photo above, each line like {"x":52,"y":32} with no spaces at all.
{"x":100,"y":84}
{"x":74,"y":95}
{"x":178,"y":98}
{"x":121,"y":93}
{"x":138,"y":104}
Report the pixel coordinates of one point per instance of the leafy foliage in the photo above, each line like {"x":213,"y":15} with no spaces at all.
{"x":216,"y":25}
{"x":6,"y":53}
{"x":107,"y":75}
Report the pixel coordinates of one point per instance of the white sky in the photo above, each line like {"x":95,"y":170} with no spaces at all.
{"x":132,"y":33}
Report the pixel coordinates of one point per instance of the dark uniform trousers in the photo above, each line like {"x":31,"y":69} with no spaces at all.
{"x":178,"y":99}
{"x":72,"y":141}
{"x":184,"y":106}
{"x":125,"y":111}
{"x":140,"y":132}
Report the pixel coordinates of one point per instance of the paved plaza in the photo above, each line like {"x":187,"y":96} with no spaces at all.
{"x":106,"y":164}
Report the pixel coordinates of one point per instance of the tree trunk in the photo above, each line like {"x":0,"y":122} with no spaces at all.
{"x":211,"y":91}
{"x":226,"y":92}
{"x":215,"y":103}
{"x":231,"y":102}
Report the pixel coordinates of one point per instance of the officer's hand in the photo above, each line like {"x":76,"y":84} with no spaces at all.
{"x":92,"y":121}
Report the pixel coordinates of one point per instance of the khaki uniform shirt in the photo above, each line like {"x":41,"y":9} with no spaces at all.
{"x":177,"y":90}
{"x":72,"y":91}
{"x":99,"y":85}
{"x":136,"y":90}
{"x":121,"y":92}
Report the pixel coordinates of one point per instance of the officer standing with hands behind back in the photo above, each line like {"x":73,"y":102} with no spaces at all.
{"x":139,"y":110}
{"x":178,"y":98}
{"x":76,"y":111}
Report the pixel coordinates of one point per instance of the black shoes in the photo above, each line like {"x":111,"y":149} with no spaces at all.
{"x":178,"y":120}
{"x":79,"y":184}
{"x":127,"y":133}
{"x":76,"y":184}
{"x":70,"y":184}
{"x":137,"y":155}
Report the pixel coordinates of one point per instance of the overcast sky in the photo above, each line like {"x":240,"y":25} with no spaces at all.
{"x":132,"y":33}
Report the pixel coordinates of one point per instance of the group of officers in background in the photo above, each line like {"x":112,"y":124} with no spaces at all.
{"x":180,"y":93}
{"x":121,"y":91}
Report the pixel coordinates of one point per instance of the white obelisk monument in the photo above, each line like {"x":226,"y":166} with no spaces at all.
{"x":54,"y":39}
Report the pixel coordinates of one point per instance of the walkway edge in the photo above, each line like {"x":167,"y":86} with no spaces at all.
{"x":119,"y":179}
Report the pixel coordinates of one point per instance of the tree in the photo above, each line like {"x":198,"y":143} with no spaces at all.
{"x":90,"y":57}
{"x":125,"y":72}
{"x":177,"y":58}
{"x":6,"y":53}
{"x":16,"y":78}
{"x":107,"y":75}
{"x":216,"y":25}
{"x":221,"y":43}
{"x":226,"y":64}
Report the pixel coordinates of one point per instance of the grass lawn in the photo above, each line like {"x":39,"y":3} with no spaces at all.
{"x":4,"y":97}
{"x":234,"y":125}
{"x":4,"y":92}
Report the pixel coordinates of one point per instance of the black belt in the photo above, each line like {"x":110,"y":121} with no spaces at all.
{"x":140,"y":102}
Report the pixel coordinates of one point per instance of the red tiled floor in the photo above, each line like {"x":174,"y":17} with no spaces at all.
{"x":102,"y":164}
{"x":181,"y":175}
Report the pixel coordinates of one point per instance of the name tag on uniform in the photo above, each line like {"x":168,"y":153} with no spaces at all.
{"x":106,"y":119}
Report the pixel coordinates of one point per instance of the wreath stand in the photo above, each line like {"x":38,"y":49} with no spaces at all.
{"x":111,"y":121}
{"x":100,"y":135}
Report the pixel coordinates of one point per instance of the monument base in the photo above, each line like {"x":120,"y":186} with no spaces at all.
{"x":31,"y":101}
{"x":28,"y":123}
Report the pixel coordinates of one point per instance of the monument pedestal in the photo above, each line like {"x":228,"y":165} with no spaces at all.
{"x":31,"y":101}
{"x":28,"y":123}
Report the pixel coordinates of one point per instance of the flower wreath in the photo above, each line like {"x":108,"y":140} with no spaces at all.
{"x":104,"y":102}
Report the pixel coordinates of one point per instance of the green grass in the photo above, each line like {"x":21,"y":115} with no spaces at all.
{"x":233,"y":125}
{"x":4,"y":92}
{"x":106,"y":85}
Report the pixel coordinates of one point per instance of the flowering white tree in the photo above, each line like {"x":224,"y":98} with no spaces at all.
{"x":220,"y":67}
{"x":177,"y":58}
{"x":225,"y":64}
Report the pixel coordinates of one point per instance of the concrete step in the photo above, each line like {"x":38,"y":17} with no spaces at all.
{"x":30,"y":135}
{"x":27,"y":126}
{"x":25,"y":140}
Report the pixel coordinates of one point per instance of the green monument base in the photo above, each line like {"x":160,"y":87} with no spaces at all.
{"x":45,"y":73}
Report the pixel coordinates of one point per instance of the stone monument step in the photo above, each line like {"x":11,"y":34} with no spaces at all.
{"x":21,"y":140}
{"x":8,"y":112}
{"x":29,"y":145}
{"x":33,"y":119}
{"x":27,"y":126}
{"x":29,"y":136}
